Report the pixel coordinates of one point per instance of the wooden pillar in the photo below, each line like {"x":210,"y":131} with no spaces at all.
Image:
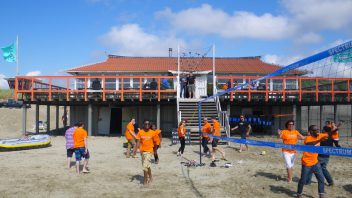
{"x":36,"y":118}
{"x":47,"y":118}
{"x":158,"y":116}
{"x":90,"y":117}
{"x":24,"y":119}
{"x":57,"y":118}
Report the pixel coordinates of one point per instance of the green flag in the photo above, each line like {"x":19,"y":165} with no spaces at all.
{"x":9,"y":53}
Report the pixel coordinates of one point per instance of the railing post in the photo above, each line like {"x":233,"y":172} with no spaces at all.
{"x":104,"y":84}
{"x":283,"y":89}
{"x":300,"y":89}
{"x":67,"y":89}
{"x":122,"y":84}
{"x":85,"y":89}
{"x":332,"y":91}
{"x":50,"y":89}
{"x":231,"y":92}
{"x":140,"y":90}
{"x":266,"y":91}
{"x":159,"y":89}
{"x":16,"y":89}
{"x":249,"y":90}
{"x":32,"y":91}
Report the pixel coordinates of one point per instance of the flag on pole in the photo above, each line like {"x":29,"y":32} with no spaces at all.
{"x":9,"y":53}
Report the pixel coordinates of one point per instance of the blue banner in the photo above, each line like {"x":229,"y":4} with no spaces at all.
{"x":326,"y":150}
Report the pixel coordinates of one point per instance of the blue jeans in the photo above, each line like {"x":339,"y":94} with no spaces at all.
{"x":323,"y":161}
{"x":305,"y":172}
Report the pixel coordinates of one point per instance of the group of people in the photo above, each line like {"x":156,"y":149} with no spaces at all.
{"x":148,"y":141}
{"x":187,"y":83}
{"x":77,"y":142}
{"x":311,"y":162}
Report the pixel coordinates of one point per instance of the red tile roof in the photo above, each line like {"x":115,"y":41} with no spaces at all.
{"x":164,"y":64}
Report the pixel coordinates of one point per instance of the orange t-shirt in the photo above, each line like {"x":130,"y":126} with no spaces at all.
{"x":310,"y":159}
{"x":146,"y":140}
{"x":216,"y":129}
{"x":181,"y":132}
{"x":335,"y":135}
{"x":78,"y":137}
{"x":127,"y":132}
{"x":206,"y":129}
{"x":289,"y":137}
{"x":156,"y":138}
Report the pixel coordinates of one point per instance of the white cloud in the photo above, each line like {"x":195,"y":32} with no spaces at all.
{"x":131,"y":40}
{"x":320,"y":14}
{"x":309,"y":38}
{"x":3,"y":82}
{"x":280,"y":60}
{"x":207,"y":20}
{"x":33,"y":73}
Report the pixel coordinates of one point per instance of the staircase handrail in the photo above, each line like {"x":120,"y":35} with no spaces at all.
{"x":223,"y":117}
{"x":179,"y":117}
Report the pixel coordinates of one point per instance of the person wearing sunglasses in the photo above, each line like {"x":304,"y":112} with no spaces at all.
{"x":289,"y":136}
{"x":145,"y":143}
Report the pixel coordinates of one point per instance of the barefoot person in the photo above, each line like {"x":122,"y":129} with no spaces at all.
{"x":289,"y":136}
{"x":181,"y":136}
{"x":69,"y":144}
{"x":205,"y":138}
{"x":131,"y":138}
{"x":310,"y":162}
{"x":214,"y":142}
{"x":244,"y":128}
{"x":157,"y":142}
{"x":146,"y":145}
{"x":80,"y":142}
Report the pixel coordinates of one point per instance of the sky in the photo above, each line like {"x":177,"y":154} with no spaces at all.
{"x":57,"y":35}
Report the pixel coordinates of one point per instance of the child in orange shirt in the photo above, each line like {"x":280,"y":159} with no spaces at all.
{"x":157,"y":142}
{"x":310,"y":162}
{"x":181,"y":136}
{"x":131,"y":136}
{"x":146,"y":146}
{"x":80,"y":144}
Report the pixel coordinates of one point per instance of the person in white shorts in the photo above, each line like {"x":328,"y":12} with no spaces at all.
{"x":289,"y":136}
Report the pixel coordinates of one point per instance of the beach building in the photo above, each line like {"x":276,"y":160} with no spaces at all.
{"x":107,"y":94}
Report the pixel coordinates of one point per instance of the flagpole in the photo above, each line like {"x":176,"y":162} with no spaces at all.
{"x":17,"y":73}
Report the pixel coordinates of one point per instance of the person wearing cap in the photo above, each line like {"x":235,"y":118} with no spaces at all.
{"x":310,"y":162}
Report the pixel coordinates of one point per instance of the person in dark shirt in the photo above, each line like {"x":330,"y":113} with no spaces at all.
{"x":324,"y":159}
{"x":191,"y":85}
{"x":96,"y":85}
{"x":183,"y":86}
{"x":153,"y":84}
{"x":244,"y":128}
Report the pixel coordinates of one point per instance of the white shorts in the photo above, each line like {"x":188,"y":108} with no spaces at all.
{"x":289,"y":159}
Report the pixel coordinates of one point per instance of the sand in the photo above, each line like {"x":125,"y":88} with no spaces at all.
{"x":43,"y":173}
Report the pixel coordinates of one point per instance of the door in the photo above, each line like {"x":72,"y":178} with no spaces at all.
{"x":116,"y":121}
{"x":103,"y":120}
{"x":201,"y":86}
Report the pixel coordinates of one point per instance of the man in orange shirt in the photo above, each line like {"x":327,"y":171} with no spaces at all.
{"x":214,"y":142}
{"x":310,"y":162}
{"x":131,"y":136}
{"x":289,"y":136}
{"x":205,"y":139}
{"x":80,"y":144}
{"x":146,"y":146}
{"x":157,"y":142}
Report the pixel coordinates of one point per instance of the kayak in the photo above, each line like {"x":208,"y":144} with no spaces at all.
{"x":34,"y":141}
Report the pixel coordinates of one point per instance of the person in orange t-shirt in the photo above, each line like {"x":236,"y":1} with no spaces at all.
{"x":289,"y":136}
{"x":146,"y":147}
{"x":157,"y":142}
{"x":205,"y":138}
{"x":214,"y":141}
{"x":335,"y":133}
{"x":80,"y":144}
{"x":310,"y":162}
{"x":131,"y":138}
{"x":181,"y":136}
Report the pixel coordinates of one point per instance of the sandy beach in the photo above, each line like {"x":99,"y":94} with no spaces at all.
{"x":42,"y":172}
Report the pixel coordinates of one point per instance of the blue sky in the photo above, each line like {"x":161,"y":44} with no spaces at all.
{"x":60,"y":34}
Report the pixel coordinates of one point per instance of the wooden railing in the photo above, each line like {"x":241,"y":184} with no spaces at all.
{"x":82,"y":88}
{"x":299,"y":89}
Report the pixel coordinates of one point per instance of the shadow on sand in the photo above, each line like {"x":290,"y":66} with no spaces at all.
{"x":139,"y":178}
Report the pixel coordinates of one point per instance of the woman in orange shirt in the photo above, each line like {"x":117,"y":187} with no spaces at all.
{"x":181,"y":136}
{"x":289,"y":136}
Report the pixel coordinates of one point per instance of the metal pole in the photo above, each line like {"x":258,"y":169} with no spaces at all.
{"x":214,"y":80}
{"x":200,"y":131}
{"x":90,"y":119}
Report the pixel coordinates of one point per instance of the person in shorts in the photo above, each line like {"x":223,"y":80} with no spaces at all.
{"x":80,"y":140}
{"x":157,"y":142}
{"x":244,"y":128}
{"x":146,"y":147}
{"x":289,"y":136}
{"x":69,"y":144}
{"x":131,"y":138}
{"x":214,"y":141}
